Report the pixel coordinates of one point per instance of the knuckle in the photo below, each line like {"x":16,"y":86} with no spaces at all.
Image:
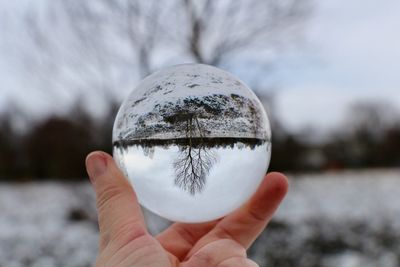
{"x":107,"y":194}
{"x":256,"y":216}
{"x":127,"y":232}
{"x":224,"y":233}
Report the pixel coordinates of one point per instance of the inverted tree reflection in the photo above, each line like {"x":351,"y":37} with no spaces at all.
{"x":195,"y":159}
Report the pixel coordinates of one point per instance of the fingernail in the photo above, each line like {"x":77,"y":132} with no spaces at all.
{"x":96,"y":165}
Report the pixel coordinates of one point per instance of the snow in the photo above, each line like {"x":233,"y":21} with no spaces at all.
{"x":35,"y":229}
{"x":190,"y":89}
{"x":335,"y":219}
{"x":354,"y":196}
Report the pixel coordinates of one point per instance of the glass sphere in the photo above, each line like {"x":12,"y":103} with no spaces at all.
{"x":194,"y":142}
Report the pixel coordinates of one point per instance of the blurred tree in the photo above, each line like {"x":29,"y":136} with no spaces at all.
{"x":368,"y":137}
{"x":370,"y":119}
{"x":388,"y":154}
{"x":7,"y":151}
{"x":107,"y":45}
{"x":287,"y":153}
{"x":57,"y":147}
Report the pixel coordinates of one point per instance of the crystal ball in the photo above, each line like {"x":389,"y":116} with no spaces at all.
{"x":194,"y":142}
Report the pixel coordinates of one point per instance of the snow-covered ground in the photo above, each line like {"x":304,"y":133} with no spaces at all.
{"x":346,"y":219}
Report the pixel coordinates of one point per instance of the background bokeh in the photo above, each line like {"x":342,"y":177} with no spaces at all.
{"x":327,"y":73}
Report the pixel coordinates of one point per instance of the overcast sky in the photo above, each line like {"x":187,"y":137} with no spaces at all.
{"x":352,"y":55}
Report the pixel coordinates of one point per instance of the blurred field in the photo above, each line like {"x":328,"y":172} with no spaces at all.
{"x":347,"y":219}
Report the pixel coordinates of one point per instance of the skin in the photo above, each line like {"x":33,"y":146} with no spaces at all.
{"x":125,"y":241}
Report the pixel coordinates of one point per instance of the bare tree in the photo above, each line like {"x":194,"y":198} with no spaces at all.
{"x":194,"y":161}
{"x":105,"y":45}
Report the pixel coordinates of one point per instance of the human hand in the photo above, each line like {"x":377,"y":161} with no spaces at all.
{"x":125,"y":242}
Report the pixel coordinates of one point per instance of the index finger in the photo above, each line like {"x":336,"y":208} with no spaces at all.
{"x":246,"y":223}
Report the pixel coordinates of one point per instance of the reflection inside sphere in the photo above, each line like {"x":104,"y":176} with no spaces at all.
{"x":194,"y":141}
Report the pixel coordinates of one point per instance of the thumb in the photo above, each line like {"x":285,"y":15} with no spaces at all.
{"x":119,"y":213}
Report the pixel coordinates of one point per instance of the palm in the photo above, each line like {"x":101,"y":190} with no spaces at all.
{"x":183,"y":245}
